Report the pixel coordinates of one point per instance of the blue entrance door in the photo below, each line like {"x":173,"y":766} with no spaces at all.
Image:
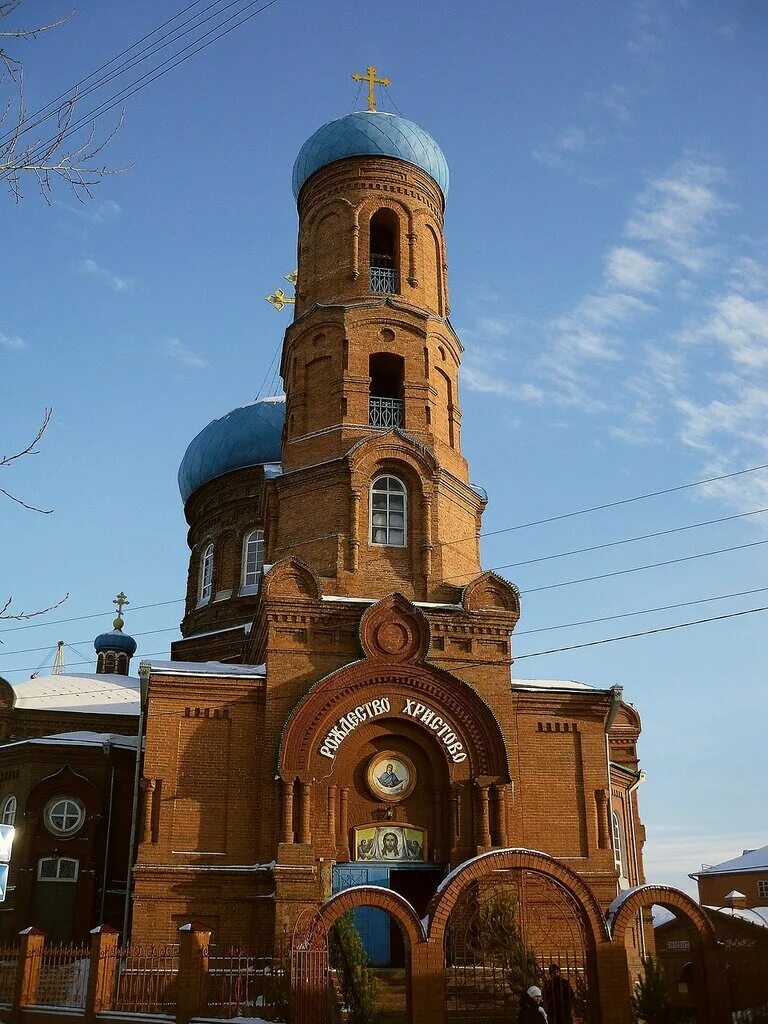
{"x":372,"y":924}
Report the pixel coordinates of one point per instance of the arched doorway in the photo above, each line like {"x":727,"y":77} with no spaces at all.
{"x":511,"y":919}
{"x":682,"y":948}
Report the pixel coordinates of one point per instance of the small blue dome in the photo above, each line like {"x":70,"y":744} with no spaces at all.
{"x":248,"y":436}
{"x":370,"y":133}
{"x":115,"y":641}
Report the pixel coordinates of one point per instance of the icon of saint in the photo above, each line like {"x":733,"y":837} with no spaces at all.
{"x":390,"y":846}
{"x":389,"y":779}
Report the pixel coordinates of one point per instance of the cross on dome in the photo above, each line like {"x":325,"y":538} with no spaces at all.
{"x":373,"y":81}
{"x":121,"y":600}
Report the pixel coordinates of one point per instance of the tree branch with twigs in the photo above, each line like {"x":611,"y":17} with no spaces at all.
{"x":6,"y":461}
{"x":49,"y":158}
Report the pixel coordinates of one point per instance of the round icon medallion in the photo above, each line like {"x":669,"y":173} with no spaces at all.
{"x":391,"y":776}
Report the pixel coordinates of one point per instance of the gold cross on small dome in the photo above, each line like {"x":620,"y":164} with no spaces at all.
{"x":278,"y":298}
{"x":121,"y":600}
{"x":373,"y":81}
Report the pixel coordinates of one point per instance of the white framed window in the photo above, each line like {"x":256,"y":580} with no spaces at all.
{"x":762,"y":888}
{"x":253,"y":560}
{"x":619,"y":858}
{"x":64,"y":815}
{"x":206,"y":575}
{"x":8,"y":811}
{"x":389,"y":508}
{"x":57,"y":869}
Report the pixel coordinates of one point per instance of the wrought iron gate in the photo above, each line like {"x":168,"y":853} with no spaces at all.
{"x":515,"y":929}
{"x":309,"y":970}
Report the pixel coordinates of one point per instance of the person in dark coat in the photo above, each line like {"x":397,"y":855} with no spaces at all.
{"x":558,"y":997}
{"x":530,"y":1009}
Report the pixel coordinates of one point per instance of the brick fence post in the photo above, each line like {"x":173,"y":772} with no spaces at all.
{"x":28,"y":969}
{"x":614,"y":989}
{"x":192,"y":987}
{"x":101,"y":972}
{"x":426,"y":983}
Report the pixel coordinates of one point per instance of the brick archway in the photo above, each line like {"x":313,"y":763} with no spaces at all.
{"x":474,"y":870}
{"x":625,"y":908}
{"x":399,"y":909}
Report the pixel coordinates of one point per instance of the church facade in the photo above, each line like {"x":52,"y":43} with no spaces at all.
{"x":341,"y":726}
{"x":369,"y":729}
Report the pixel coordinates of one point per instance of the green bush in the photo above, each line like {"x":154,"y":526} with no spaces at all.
{"x":650,"y":1000}
{"x":358,"y":984}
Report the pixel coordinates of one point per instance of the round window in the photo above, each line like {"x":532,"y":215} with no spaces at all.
{"x":64,"y":815}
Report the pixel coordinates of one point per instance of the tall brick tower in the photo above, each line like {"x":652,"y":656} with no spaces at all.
{"x":341,"y":707}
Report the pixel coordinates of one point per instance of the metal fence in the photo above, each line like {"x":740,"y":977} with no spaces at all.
{"x":385,"y":281}
{"x":9,"y":959}
{"x":63,"y":978}
{"x":385,"y":412}
{"x":145,"y":978}
{"x":243,"y":982}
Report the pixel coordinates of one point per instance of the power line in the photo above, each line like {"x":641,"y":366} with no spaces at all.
{"x":640,"y":568}
{"x":93,"y":615}
{"x":627,"y":615}
{"x":72,"y":93}
{"x":645,"y":632}
{"x":146,"y":79}
{"x":88,"y":640}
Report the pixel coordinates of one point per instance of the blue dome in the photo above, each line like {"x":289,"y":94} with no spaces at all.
{"x":248,"y":436}
{"x":370,"y":133}
{"x":115,"y":641}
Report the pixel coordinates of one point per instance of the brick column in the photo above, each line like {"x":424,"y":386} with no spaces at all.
{"x":332,"y":816}
{"x":148,"y":795}
{"x":287,"y":812}
{"x":501,"y":814}
{"x":29,"y":964}
{"x":455,"y":815}
{"x":485,"y":818}
{"x":601,"y":804}
{"x":426,"y":988}
{"x":716,"y":986}
{"x":344,"y":820}
{"x":305,"y":823}
{"x":613,"y":984}
{"x":101,"y":972}
{"x":192,"y":986}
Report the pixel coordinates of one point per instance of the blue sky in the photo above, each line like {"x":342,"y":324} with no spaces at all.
{"x":607,"y":246}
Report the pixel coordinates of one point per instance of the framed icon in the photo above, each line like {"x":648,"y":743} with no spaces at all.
{"x":390,"y":842}
{"x":391,"y":776}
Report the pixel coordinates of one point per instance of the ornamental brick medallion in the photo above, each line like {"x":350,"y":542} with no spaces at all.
{"x":391,"y":776}
{"x":393,"y":637}
{"x":394,"y":629}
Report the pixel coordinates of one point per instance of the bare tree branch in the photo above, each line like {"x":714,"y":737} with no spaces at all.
{"x":45,"y":160}
{"x":18,"y":616}
{"x":30,"y":449}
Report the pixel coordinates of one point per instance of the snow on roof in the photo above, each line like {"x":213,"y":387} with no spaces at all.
{"x":83,"y":738}
{"x":85,"y":693}
{"x":661,"y":916}
{"x":753,"y":915}
{"x":571,"y":685}
{"x":750,"y":860}
{"x":206,"y":668}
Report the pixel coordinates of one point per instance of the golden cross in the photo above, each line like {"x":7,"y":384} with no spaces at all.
{"x":120,"y":601}
{"x":372,"y":80}
{"x":278,"y":298}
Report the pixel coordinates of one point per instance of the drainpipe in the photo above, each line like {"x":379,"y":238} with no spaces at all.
{"x":108,"y":755}
{"x":641,"y":777}
{"x":144,"y":670}
{"x":617,"y":693}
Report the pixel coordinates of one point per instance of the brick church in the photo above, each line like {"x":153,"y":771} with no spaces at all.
{"x":342,"y":710}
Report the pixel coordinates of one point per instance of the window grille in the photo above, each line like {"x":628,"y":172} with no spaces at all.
{"x":385,"y":412}
{"x":385,"y":281}
{"x":57,"y":869}
{"x":8,"y":813}
{"x":64,"y":815}
{"x":618,"y":845}
{"x":388,"y":512}
{"x":762,"y":888}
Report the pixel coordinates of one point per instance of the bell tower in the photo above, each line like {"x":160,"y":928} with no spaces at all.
{"x":370,"y":366}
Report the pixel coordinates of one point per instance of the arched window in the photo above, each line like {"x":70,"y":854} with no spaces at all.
{"x":388,"y":512}
{"x":57,"y":869}
{"x":384,"y":233}
{"x":206,"y":575}
{"x":618,"y":846}
{"x":8,"y":811}
{"x":253,"y":560}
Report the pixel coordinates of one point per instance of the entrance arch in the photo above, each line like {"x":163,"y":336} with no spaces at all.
{"x":707,"y":967}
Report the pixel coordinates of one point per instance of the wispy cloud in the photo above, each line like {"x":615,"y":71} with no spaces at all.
{"x":101,"y":211}
{"x":677,"y":211}
{"x":176,"y":349}
{"x":566,"y":150}
{"x":673,"y":852}
{"x":633,"y":270}
{"x":12,"y":342}
{"x":90,"y":268}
